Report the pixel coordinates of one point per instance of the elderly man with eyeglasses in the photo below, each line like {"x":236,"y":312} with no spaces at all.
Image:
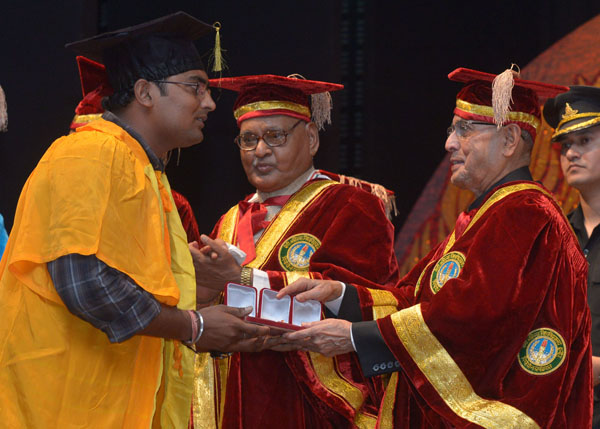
{"x":301,"y":222}
{"x":492,"y":328}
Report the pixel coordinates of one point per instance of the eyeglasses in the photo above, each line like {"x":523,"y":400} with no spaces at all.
{"x":200,"y":88}
{"x":272,"y":138}
{"x":464,"y":128}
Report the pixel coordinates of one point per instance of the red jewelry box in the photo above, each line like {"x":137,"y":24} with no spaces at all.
{"x":284,"y":314}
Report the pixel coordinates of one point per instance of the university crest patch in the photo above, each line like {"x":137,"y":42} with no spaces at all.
{"x":296,"y":251}
{"x":543,"y":352}
{"x":448,"y":267}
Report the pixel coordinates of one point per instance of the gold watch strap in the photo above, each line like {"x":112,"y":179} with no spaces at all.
{"x":246,"y":276}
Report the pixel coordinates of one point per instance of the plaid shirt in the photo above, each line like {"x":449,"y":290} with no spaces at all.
{"x":103,"y":296}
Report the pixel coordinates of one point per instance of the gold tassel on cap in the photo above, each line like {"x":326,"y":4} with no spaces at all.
{"x":3,"y":111}
{"x":320,"y":106}
{"x":502,"y":87}
{"x":217,"y":56}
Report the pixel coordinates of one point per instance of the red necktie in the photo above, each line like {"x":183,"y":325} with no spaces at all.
{"x":252,"y":220}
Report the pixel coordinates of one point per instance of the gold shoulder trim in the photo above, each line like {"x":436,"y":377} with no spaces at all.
{"x":271,"y":105}
{"x":228,"y":229}
{"x":447,"y":378}
{"x":489,"y":111}
{"x":497,"y":196}
{"x":268,"y":242}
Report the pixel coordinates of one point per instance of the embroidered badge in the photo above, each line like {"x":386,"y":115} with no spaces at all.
{"x":448,"y":267}
{"x":543,"y":352}
{"x":296,"y":251}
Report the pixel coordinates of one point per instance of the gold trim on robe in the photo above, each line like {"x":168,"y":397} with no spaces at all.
{"x":228,"y":228}
{"x":265,"y":247}
{"x":292,"y":276}
{"x":496,"y":196}
{"x":384,"y":303}
{"x":447,"y":378}
{"x":386,"y":420}
{"x":274,"y":233}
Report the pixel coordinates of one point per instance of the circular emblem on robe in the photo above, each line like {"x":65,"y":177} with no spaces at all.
{"x":296,"y":251}
{"x":448,"y":267}
{"x":543,"y":352}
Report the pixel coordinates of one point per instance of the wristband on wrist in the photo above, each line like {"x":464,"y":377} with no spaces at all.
{"x":246,"y":276}
{"x":197,"y":326}
{"x":200,"y":326}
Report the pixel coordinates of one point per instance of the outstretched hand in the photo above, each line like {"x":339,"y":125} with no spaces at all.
{"x":225,"y":331}
{"x":214,"y":265}
{"x":330,"y":337}
{"x":319,"y":290}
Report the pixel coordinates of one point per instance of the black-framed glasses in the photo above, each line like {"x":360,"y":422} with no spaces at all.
{"x":464,"y":128}
{"x":273,"y":138}
{"x":200,"y":88}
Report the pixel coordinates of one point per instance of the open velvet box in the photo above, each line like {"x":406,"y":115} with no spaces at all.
{"x":283,"y":314}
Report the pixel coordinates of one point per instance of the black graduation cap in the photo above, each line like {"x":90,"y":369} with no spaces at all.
{"x":575,"y":110}
{"x":152,"y":50}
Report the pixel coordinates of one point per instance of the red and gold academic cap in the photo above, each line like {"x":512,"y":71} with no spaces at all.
{"x":502,"y":99}
{"x":94,"y":87}
{"x":153,"y":50}
{"x":269,"y":95}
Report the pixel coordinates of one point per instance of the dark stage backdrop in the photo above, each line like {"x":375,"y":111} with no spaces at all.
{"x":389,"y":124}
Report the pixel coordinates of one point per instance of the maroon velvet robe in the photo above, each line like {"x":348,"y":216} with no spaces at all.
{"x":301,"y":390}
{"x":497,"y":334}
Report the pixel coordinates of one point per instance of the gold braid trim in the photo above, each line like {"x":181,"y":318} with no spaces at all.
{"x":386,"y":419}
{"x":269,"y":241}
{"x":384,"y":303}
{"x":292,"y":276}
{"x":271,"y":105}
{"x":447,"y":378}
{"x":488,"y":111}
{"x":84,"y":119}
{"x":365,"y":421}
{"x":497,"y":196}
{"x":228,"y":230}
{"x":203,"y":405}
{"x":210,"y":375}
{"x":585,"y":124}
{"x":326,"y":370}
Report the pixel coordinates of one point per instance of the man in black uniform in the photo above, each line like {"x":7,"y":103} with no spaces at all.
{"x":575,"y":116}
